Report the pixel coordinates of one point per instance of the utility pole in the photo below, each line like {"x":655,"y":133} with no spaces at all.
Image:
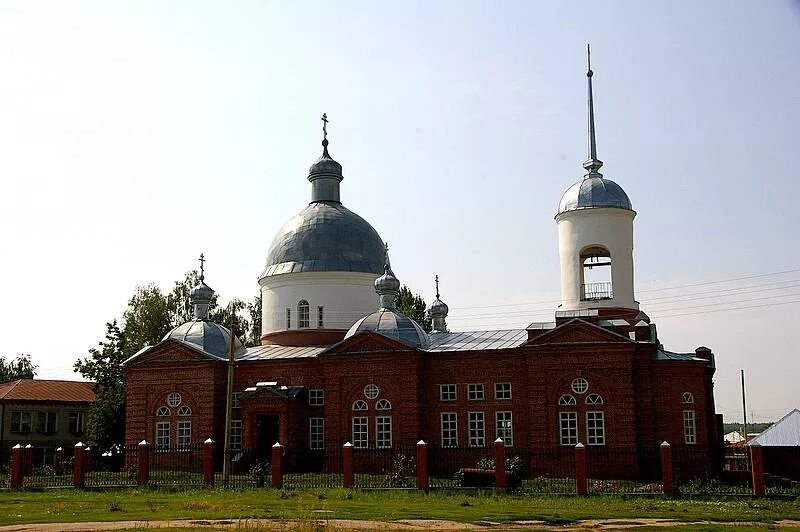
{"x":744,"y":415}
{"x":226,"y":458}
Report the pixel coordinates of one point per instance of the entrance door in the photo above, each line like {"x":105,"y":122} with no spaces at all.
{"x":267,"y":428}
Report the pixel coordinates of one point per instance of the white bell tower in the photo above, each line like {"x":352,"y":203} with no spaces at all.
{"x":595,"y":237}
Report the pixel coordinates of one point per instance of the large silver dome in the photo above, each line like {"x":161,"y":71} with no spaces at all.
{"x":326,"y":237}
{"x":211,"y":337}
{"x":391,"y":324}
{"x":594,"y":191}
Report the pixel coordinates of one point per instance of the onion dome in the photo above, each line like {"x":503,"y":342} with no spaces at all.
{"x":387,"y":321}
{"x":438,"y":312}
{"x":204,"y":334}
{"x":325,"y":236}
{"x":593,"y":191}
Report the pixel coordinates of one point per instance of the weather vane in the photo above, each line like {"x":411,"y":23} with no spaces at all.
{"x":202,"y":262}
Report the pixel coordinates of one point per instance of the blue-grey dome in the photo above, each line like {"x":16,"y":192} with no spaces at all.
{"x":593,"y":192}
{"x":394,"y":325}
{"x":326,"y":237}
{"x":211,"y":337}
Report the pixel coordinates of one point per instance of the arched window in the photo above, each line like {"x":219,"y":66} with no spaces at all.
{"x":687,"y":398}
{"x":302,"y":315}
{"x":566,"y":400}
{"x":163,"y":411}
{"x":579,"y":385}
{"x":594,"y":399}
{"x":360,"y":406}
{"x":383,"y":404}
{"x":596,"y":281}
{"x":184,"y":411}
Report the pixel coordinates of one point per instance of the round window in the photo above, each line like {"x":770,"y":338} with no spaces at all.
{"x":371,"y":391}
{"x":174,"y":399}
{"x":579,"y":385}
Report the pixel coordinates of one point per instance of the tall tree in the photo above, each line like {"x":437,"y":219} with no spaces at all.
{"x":21,"y":367}
{"x":413,"y":306}
{"x":147,"y":319}
{"x":105,"y":426}
{"x":254,"y":338}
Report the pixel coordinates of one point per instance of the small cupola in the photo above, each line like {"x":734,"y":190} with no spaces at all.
{"x":325,"y":174}
{"x":438,"y":311}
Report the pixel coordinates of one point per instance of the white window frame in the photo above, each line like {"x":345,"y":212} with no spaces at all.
{"x":567,"y":400}
{"x":476,"y":391}
{"x":383,"y":432}
{"x":504,"y":427}
{"x":47,"y":422}
{"x":303,"y":314}
{"x":689,"y":427}
{"x":174,"y":400}
{"x":236,"y":435}
{"x":383,"y":404}
{"x":79,"y":420}
{"x":371,"y":392}
{"x":184,"y":433}
{"x":359,"y":405}
{"x":477,"y":429}
{"x":447,"y":392}
{"x":236,"y":400}
{"x":449,"y":429}
{"x":687,"y":398}
{"x":185,"y":410}
{"x":568,"y":427}
{"x":502,"y":391}
{"x":594,"y":399}
{"x":316,"y":433}
{"x":162,"y":435}
{"x":595,"y":427}
{"x":360,"y":432}
{"x":24,"y":422}
{"x":316,"y":397}
{"x":320,"y":316}
{"x":579,"y":385}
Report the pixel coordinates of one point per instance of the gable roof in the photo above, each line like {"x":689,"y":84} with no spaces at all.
{"x":578,"y":331}
{"x":51,"y":391}
{"x":784,"y":433}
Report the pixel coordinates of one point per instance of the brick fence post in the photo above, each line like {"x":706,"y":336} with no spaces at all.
{"x":87,"y":459}
{"x":422,"y":465}
{"x":277,"y":465}
{"x":581,"y":470}
{"x":142,"y":463}
{"x":499,"y":464}
{"x":29,"y":459}
{"x":59,"y":465}
{"x":347,"y":465}
{"x":757,"y":467}
{"x":208,"y":462}
{"x":78,"y":473}
{"x":17,"y":467}
{"x":666,"y":468}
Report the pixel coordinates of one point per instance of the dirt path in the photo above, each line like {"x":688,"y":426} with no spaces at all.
{"x":348,"y":524}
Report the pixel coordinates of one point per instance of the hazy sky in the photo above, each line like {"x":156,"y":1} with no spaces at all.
{"x":134,"y":135}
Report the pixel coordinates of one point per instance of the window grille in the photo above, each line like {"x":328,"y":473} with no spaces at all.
{"x":475,"y":392}
{"x":303,"y":315}
{"x":595,"y":428}
{"x":449,"y":429}
{"x":568,"y":427}
{"x":383,"y":432}
{"x":477,"y":430}
{"x":502,"y":390}
{"x":316,"y":433}
{"x":504,"y":427}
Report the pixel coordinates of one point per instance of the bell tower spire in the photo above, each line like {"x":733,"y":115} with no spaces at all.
{"x":592,"y":164}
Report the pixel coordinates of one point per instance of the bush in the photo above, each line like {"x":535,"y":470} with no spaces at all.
{"x":402,"y":473}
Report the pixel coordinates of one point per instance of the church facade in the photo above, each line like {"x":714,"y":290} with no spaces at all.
{"x":339,"y":363}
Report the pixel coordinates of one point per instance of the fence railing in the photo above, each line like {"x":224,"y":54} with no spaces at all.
{"x":564,"y":470}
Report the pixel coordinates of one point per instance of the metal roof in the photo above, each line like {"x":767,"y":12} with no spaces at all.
{"x":475,"y":340}
{"x":57,"y":391}
{"x":784,"y":433}
{"x":394,"y":325}
{"x":269,"y":352}
{"x":594,"y":192}
{"x":210,"y":337}
{"x":326,"y":237}
{"x":661,"y":354}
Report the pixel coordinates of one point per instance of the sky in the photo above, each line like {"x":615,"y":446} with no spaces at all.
{"x":136,"y":135}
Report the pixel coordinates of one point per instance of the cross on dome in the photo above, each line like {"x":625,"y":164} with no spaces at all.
{"x":202,"y":271}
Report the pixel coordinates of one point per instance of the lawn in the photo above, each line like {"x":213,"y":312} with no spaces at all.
{"x":152,"y":504}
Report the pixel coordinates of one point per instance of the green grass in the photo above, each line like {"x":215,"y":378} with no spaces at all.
{"x":151,"y":504}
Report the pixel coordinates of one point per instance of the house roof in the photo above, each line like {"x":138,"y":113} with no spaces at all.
{"x":784,"y":433}
{"x":47,"y":391}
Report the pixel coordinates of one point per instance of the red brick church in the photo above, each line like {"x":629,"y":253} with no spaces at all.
{"x":338,"y":364}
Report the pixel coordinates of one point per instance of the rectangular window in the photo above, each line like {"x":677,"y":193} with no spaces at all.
{"x":184,"y":434}
{"x":236,"y":399}
{"x":320,"y":321}
{"x":316,"y":433}
{"x":504,"y":427}
{"x":21,"y":422}
{"x":595,"y":428}
{"x":162,"y":435}
{"x":449,"y":429}
{"x":288,"y":318}
{"x":360,"y":430}
{"x":383,"y":432}
{"x":689,"y":432}
{"x":475,"y":392}
{"x":447,"y":392}
{"x":303,"y":319}
{"x":46,"y":423}
{"x":477,"y":430}
{"x":502,"y":390}
{"x":236,"y":435}
{"x":316,"y":397}
{"x":569,"y":427}
{"x":76,"y":423}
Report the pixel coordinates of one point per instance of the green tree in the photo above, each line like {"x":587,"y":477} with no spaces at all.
{"x":147,"y":318}
{"x":21,"y":367}
{"x":105,"y":425}
{"x":254,"y":338}
{"x":413,"y":306}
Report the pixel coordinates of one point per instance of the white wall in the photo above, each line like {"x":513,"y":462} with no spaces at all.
{"x":609,"y":228}
{"x":345,"y":296}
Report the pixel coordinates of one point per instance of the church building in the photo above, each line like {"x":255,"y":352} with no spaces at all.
{"x":339,"y":363}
